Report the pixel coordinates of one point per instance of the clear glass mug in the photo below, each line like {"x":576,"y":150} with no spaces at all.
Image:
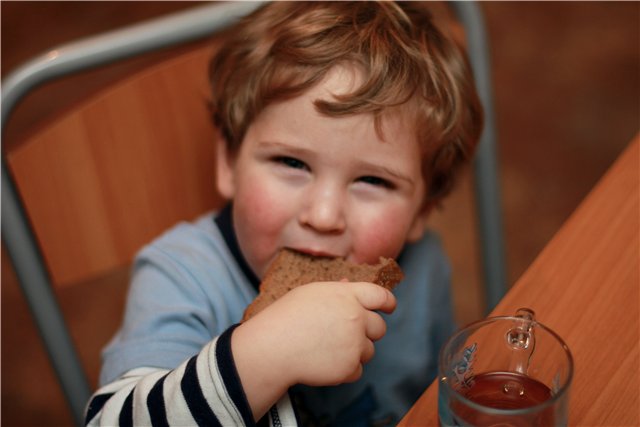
{"x":504,"y":371}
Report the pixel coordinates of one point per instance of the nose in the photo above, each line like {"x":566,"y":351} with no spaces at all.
{"x":323,"y":210}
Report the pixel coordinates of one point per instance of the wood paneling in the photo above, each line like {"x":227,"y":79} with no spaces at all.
{"x":117,"y":170}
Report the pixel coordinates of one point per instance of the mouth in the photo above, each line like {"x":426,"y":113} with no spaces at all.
{"x":315,"y":253}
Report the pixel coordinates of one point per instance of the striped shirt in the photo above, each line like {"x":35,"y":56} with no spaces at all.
{"x":202,"y":391}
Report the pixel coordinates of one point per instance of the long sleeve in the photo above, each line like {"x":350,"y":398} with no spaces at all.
{"x":204,"y":390}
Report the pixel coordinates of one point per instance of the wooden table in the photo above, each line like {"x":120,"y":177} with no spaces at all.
{"x":585,"y":285}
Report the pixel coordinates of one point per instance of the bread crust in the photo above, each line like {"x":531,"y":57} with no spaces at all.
{"x":291,"y":269}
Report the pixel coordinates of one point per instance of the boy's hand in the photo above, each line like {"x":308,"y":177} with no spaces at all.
{"x":328,"y":329}
{"x":317,"y":334}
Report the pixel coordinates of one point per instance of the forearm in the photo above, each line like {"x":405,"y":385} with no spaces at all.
{"x":264,"y":381}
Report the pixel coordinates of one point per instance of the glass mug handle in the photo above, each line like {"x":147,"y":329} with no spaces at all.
{"x":521,"y":338}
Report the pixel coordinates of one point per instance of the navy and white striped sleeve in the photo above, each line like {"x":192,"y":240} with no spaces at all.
{"x":205,"y":391}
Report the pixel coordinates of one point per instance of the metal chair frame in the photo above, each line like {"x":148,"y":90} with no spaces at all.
{"x":160,"y":33}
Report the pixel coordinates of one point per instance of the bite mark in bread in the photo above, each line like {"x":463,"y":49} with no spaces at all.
{"x":291,"y":269}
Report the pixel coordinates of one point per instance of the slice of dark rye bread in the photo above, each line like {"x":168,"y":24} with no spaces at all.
{"x":291,"y":269}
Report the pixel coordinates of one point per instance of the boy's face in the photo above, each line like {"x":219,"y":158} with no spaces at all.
{"x":324,"y":185}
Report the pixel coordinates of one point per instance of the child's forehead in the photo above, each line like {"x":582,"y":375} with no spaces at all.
{"x":345,"y":79}
{"x":300,"y":116}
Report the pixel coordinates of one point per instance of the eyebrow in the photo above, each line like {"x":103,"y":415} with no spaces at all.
{"x":275,"y":144}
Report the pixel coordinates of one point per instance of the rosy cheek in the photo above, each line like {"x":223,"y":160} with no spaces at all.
{"x":261,"y":216}
{"x":258,"y":209}
{"x":383,"y":235}
{"x":259,"y":201}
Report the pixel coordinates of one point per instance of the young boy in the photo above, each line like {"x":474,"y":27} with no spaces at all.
{"x":343,"y":125}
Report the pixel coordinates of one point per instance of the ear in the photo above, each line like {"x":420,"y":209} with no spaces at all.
{"x":419,"y":224}
{"x":224,"y":170}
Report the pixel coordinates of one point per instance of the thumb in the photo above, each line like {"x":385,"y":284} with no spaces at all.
{"x":374,"y":297}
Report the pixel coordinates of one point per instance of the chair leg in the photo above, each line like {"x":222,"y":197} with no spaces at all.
{"x":36,"y":286}
{"x":487,"y":186}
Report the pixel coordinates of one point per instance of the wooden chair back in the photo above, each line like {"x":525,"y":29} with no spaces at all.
{"x":113,"y":172}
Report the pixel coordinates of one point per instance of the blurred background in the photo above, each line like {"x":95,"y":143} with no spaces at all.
{"x":566,"y":79}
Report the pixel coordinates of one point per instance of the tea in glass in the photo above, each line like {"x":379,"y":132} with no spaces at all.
{"x":504,"y":371}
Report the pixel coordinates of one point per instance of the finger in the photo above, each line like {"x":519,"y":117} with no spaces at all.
{"x":355,"y":376}
{"x":368,"y":352}
{"x":374,"y":297}
{"x":376,"y":327}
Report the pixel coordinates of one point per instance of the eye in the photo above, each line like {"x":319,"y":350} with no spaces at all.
{"x":376,"y":181}
{"x":291,"y":162}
